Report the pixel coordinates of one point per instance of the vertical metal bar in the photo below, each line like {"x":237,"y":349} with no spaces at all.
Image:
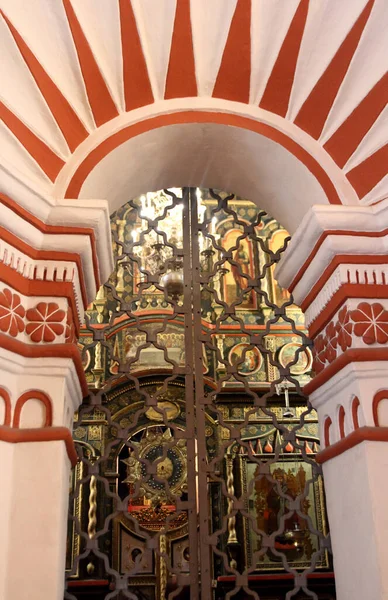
{"x":190,"y":399}
{"x":203,"y":492}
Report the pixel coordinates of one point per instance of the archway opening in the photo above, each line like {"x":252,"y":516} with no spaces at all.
{"x":197,"y":476}
{"x":275,"y":165}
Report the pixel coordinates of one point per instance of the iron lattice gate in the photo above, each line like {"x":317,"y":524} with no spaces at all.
{"x":196,"y":475}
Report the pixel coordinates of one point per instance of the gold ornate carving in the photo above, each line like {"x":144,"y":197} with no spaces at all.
{"x":154,"y":444}
{"x":162,"y":567}
{"x":232,"y":535}
{"x":92,"y":513}
{"x":170,"y":411}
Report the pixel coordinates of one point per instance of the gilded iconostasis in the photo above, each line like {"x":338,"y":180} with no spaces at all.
{"x":125,"y":431}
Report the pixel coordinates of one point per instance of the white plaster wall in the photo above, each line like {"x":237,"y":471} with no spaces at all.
{"x":34,"y":513}
{"x":356,"y":485}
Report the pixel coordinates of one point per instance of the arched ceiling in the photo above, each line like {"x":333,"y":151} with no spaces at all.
{"x":73,"y":68}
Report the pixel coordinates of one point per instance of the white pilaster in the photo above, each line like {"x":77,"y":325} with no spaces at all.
{"x":336,"y":267}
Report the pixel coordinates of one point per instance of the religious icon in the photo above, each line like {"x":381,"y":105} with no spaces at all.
{"x":247,"y":362}
{"x":242,"y":259}
{"x":267,"y":505}
{"x":287,"y":355}
{"x":239,"y":273}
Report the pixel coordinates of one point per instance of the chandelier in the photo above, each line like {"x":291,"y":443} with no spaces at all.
{"x":157,"y":243}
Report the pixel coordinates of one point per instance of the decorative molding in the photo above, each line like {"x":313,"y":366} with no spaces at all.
{"x":328,"y":231}
{"x":42,"y":352}
{"x":199,"y":54}
{"x":49,"y":229}
{"x":62,"y":246}
{"x":362,"y":434}
{"x":44,"y":266}
{"x":360,"y":324}
{"x":367,"y":271}
{"x":34,"y":290}
{"x":35,"y":320}
{"x":46,"y":434}
{"x":349,"y":356}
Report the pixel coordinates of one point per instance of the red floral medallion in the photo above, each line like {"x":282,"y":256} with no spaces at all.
{"x":371,"y":322}
{"x":11,"y":313}
{"x":319,"y":353}
{"x":344,"y":329}
{"x":331,"y":345}
{"x":45,"y":322}
{"x":70,"y":336}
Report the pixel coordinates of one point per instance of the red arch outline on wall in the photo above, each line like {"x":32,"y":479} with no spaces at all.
{"x":341,"y":422}
{"x":326,"y":431}
{"x":192,"y":116}
{"x":355,"y":407}
{"x":7,"y":404}
{"x":34,"y":395}
{"x":378,"y":397}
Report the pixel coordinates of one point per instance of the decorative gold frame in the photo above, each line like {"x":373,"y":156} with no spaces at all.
{"x":75,"y":539}
{"x":320,"y":512}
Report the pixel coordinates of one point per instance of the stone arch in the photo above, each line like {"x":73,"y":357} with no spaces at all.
{"x":263,"y":160}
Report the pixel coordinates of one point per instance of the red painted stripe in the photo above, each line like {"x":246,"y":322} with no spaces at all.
{"x":365,"y":176}
{"x":277,"y":93}
{"x":72,"y":128}
{"x":181,"y":81}
{"x":314,"y":112}
{"x":233,"y":79}
{"x":101,"y":103}
{"x":49,"y":162}
{"x":350,"y":134}
{"x":137,"y":86}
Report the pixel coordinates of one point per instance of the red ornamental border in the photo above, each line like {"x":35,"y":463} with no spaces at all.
{"x":368,"y":321}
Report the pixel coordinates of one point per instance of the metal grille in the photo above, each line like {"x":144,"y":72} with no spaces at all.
{"x":197,"y":476}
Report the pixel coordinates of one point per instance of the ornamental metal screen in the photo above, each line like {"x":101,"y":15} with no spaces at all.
{"x":196,"y":474}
